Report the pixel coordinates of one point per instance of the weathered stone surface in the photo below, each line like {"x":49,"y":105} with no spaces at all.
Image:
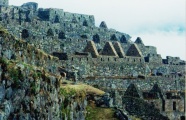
{"x":29,"y":89}
{"x":2,"y":116}
{"x":8,"y":93}
{"x":30,"y":5}
{"x":2,"y":93}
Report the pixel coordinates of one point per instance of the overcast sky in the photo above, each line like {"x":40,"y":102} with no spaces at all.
{"x":159,"y":23}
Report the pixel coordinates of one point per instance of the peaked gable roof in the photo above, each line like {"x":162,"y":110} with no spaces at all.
{"x":91,"y":48}
{"x":109,"y":50}
{"x":156,"y":89}
{"x":134,"y":51}
{"x":119,"y":49}
{"x":138,"y":41}
{"x":132,"y":91}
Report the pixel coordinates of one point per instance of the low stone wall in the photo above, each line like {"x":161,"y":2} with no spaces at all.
{"x":166,"y":84}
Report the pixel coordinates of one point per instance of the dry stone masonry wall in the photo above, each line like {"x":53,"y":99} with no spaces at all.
{"x":99,"y":56}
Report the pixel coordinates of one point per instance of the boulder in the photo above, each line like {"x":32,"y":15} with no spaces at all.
{"x":2,"y":93}
{"x":8,"y":93}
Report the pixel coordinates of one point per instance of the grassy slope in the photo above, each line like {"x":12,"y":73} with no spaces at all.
{"x":98,"y":113}
{"x":80,"y":87}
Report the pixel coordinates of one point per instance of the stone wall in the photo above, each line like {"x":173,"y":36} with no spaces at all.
{"x":166,"y":84}
{"x":46,"y":32}
{"x":106,"y":66}
{"x":173,"y":61}
{"x":54,"y":30}
{"x":14,"y":49}
{"x":27,"y":93}
{"x":4,"y":2}
{"x":43,"y":26}
{"x":69,"y":23}
{"x":117,"y":87}
{"x":30,"y":84}
{"x":153,"y":58}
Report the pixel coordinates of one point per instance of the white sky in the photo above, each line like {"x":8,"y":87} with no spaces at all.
{"x":159,"y":23}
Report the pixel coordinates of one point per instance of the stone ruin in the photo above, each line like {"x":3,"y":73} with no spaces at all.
{"x":105,"y":57}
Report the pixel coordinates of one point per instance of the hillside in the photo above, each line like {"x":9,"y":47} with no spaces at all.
{"x":58,"y":65}
{"x":30,"y":91}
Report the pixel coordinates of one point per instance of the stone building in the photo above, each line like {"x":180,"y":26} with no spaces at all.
{"x":105,"y":57}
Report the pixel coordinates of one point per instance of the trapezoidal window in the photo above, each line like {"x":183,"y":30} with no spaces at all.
{"x":174,"y":105}
{"x":25,"y":33}
{"x":50,"y":32}
{"x":182,"y":118}
{"x":85,"y":23}
{"x":123,"y":39}
{"x":96,"y":38}
{"x":163,"y":105}
{"x":113,"y":37}
{"x":56,"y":20}
{"x":61,"y":35}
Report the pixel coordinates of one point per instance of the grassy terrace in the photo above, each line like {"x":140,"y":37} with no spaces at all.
{"x":79,"y":89}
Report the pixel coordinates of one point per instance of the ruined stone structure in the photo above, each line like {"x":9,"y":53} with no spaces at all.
{"x":105,"y":57}
{"x":4,"y":3}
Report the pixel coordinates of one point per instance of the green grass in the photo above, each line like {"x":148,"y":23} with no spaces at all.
{"x":79,"y":92}
{"x":133,"y":118}
{"x":78,"y":89}
{"x":97,"y":113}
